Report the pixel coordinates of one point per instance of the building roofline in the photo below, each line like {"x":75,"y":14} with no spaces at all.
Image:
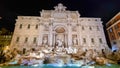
{"x":113,"y":24}
{"x":113,"y":18}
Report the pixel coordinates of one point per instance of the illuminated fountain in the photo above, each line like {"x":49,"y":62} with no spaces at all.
{"x":59,"y":36}
{"x":57,"y":57}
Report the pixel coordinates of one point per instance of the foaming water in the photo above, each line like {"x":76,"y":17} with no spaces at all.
{"x":62,"y":66}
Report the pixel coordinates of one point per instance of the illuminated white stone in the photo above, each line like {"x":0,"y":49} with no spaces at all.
{"x":60,"y":24}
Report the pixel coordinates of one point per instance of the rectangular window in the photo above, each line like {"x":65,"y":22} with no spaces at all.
{"x":98,"y":28}
{"x":83,"y":28}
{"x":20,"y":26}
{"x":119,"y":34}
{"x":17,"y":40}
{"x":26,"y":39}
{"x":112,"y":37}
{"x":90,"y":28}
{"x":110,"y":30}
{"x":92,"y":40}
{"x":34,"y":40}
{"x":84,"y":40}
{"x":100,"y":40}
{"x":28,"y":26}
{"x":116,"y":27}
{"x":36,"y":26}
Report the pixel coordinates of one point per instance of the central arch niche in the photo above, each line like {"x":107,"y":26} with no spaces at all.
{"x":60,"y":35}
{"x":60,"y":30}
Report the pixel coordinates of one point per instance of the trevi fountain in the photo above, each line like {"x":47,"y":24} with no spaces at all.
{"x":59,"y":38}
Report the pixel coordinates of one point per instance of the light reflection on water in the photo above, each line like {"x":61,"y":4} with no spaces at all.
{"x":59,"y":66}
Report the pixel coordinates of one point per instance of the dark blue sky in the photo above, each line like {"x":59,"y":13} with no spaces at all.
{"x":10,"y":9}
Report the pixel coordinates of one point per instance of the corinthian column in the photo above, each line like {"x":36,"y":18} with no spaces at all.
{"x":78,"y":34}
{"x":69,"y":35}
{"x":50,"y":34}
{"x":40,"y":36}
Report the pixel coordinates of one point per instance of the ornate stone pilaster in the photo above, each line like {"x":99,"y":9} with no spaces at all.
{"x":54,"y":42}
{"x":65,"y":35}
{"x":69,"y":35}
{"x":88,"y":40}
{"x":50,"y":35}
{"x":40,"y":28}
{"x":78,"y":34}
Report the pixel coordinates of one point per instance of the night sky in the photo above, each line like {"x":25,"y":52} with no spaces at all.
{"x":10,"y":9}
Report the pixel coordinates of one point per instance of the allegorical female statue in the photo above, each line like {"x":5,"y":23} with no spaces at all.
{"x":59,"y":43}
{"x":45,"y":41}
{"x":75,"y":41}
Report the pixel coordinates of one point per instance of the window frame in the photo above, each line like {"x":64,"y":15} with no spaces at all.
{"x":20,"y":27}
{"x":28,"y":27}
{"x":26,"y":40}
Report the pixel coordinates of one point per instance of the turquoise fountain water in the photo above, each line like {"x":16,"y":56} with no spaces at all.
{"x":61,"y":66}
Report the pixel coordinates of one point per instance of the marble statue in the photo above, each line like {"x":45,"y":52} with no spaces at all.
{"x":69,"y":50}
{"x":60,"y":7}
{"x":74,"y":41}
{"x":45,"y":41}
{"x":59,"y":43}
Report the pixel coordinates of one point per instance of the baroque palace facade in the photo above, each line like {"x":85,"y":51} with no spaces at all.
{"x":113,"y":30}
{"x":59,"y":28}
